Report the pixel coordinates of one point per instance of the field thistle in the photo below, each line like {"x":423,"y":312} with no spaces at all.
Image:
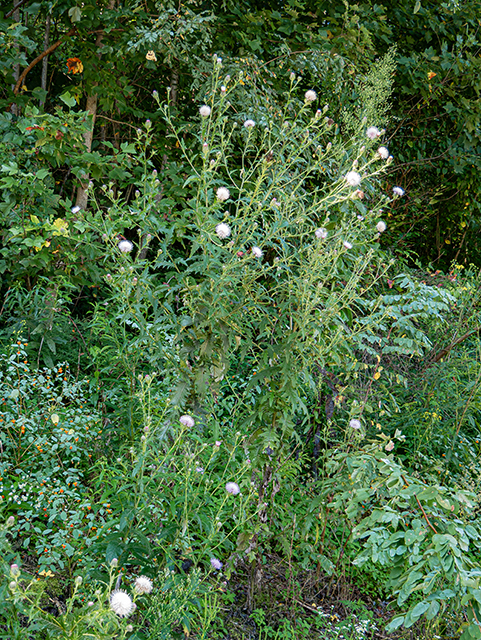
{"x":216,"y":564}
{"x":205,"y":111}
{"x":248,"y":124}
{"x":383,"y":153}
{"x":373,"y":133}
{"x":121,"y":603}
{"x":222,"y":194}
{"x":398,"y":191}
{"x":352,"y":178}
{"x":321,"y":233}
{"x":232,"y":488}
{"x":125,"y":246}
{"x":257,"y":252}
{"x":143,"y":585}
{"x":347,"y":244}
{"x":187,"y":421}
{"x":355,"y":424}
{"x":381,"y":226}
{"x":223,"y":230}
{"x":310,"y":96}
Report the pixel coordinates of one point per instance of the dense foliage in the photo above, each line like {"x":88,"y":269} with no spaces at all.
{"x":240,"y":339}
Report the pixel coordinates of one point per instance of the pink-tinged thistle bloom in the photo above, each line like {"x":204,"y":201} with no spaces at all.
{"x":257,"y":252}
{"x":223,"y":194}
{"x":204,"y":111}
{"x":353,"y":178}
{"x":75,"y":209}
{"x":355,"y":424}
{"x":381,"y":226}
{"x":216,"y":564}
{"x":248,"y":124}
{"x":373,"y":133}
{"x":121,"y":603}
{"x":347,"y":244}
{"x":187,"y":421}
{"x":383,"y":153}
{"x":125,"y":246}
{"x":310,"y":96}
{"x":222,"y":230}
{"x":233,"y":488}
{"x":218,"y":443}
{"x":398,"y":191}
{"x":321,"y":233}
{"x":143,"y":585}
{"x":389,"y":446}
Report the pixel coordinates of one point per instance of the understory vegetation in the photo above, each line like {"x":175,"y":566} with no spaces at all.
{"x":240,"y":373}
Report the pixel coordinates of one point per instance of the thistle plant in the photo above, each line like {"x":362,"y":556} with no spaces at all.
{"x":267,"y":257}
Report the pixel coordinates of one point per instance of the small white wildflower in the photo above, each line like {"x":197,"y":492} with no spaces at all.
{"x":381,"y":226}
{"x":257,"y":252}
{"x":347,"y":244}
{"x":383,"y":153}
{"x":321,"y":233}
{"x":125,"y":246}
{"x":353,"y":178}
{"x":223,"y":89}
{"x":216,"y":564}
{"x":310,"y":96}
{"x":398,"y":191}
{"x":218,"y":443}
{"x":223,"y":194}
{"x":75,"y":209}
{"x":373,"y":133}
{"x":204,"y":111}
{"x":233,"y":488}
{"x":187,"y":421}
{"x":355,"y":424}
{"x":222,"y":230}
{"x":121,"y":603}
{"x":143,"y":585}
{"x":249,"y":123}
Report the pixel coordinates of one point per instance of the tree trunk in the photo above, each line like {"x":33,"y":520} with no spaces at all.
{"x":45,"y":60}
{"x":91,"y":107}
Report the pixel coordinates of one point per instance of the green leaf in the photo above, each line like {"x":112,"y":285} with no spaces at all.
{"x":75,"y":14}
{"x":68,"y":99}
{"x":417,"y":6}
{"x":395,"y":624}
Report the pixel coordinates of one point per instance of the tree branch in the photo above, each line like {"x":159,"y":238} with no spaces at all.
{"x":17,"y":6}
{"x":41,"y":57}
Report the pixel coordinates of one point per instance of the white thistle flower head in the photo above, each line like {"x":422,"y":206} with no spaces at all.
{"x":121,"y":603}
{"x":310,"y":96}
{"x":257,"y":252}
{"x":125,"y":246}
{"x":143,"y":585}
{"x":248,"y":124}
{"x":205,"y":111}
{"x":223,"y":89}
{"x":187,"y":421}
{"x":222,"y":230}
{"x":381,"y":226}
{"x":216,"y":564}
{"x":398,"y":191}
{"x":355,"y":424}
{"x":389,"y":446}
{"x":373,"y":133}
{"x":353,"y":178}
{"x":321,"y":233}
{"x":223,"y":194}
{"x":75,"y":209}
{"x":347,"y":244}
{"x":383,"y":153}
{"x":233,"y":488}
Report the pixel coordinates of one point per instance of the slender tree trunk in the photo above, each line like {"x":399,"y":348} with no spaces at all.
{"x":91,"y":107}
{"x":45,"y":60}
{"x":16,"y":68}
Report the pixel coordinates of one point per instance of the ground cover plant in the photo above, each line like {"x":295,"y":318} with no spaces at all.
{"x":230,"y":407}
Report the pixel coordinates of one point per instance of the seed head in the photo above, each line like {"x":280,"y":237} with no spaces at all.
{"x":223,"y":194}
{"x":310,"y":96}
{"x":233,"y":488}
{"x":121,"y":603}
{"x":205,"y":111}
{"x":143,"y":585}
{"x":353,"y":178}
{"x":187,"y":421}
{"x":373,"y":133}
{"x":223,"y":230}
{"x":125,"y":246}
